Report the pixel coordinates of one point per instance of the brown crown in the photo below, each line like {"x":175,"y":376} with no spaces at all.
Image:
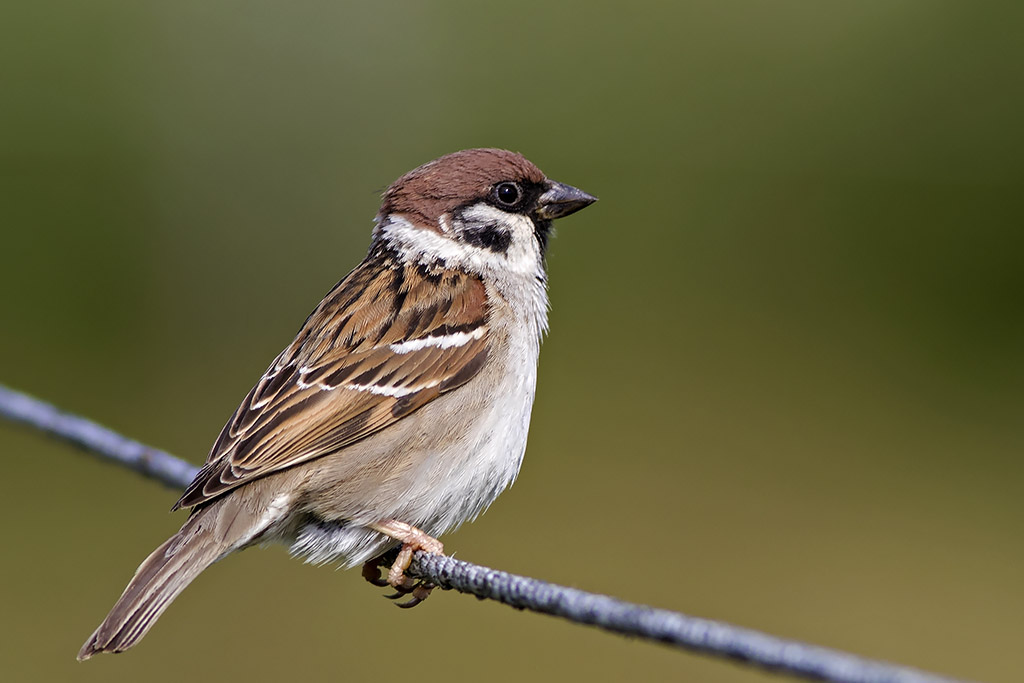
{"x":438,"y":186}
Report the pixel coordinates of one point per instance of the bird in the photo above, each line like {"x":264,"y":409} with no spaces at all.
{"x":401,"y":408}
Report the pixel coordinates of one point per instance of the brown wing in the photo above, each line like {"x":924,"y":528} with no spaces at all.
{"x":385,"y":341}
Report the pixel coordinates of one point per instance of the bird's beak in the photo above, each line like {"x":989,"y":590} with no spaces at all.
{"x":561,"y":200}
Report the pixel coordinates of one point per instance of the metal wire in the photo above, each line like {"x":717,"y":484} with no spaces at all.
{"x":640,"y":621}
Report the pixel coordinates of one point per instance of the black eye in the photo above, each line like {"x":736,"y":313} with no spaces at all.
{"x":507,"y":193}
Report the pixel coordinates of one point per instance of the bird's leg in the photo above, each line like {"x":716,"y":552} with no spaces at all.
{"x":412,"y":539}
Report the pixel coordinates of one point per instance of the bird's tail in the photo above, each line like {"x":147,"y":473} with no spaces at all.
{"x":157,"y":582}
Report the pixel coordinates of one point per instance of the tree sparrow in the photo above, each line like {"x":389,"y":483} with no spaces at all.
{"x":401,"y":408}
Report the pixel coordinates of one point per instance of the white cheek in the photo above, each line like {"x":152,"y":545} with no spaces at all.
{"x":522,"y":257}
{"x":523,"y":253}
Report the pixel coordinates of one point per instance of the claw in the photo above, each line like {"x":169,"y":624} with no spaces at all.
{"x":371,"y":572}
{"x":419,"y":594}
{"x":409,"y":604}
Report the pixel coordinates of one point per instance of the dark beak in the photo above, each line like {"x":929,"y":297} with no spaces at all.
{"x":561,"y":200}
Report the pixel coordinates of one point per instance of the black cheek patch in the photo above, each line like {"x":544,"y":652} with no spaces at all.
{"x":494,"y":239}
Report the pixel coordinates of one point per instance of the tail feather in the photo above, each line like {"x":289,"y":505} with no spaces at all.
{"x":157,"y":582}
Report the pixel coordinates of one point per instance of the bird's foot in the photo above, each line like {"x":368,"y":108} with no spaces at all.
{"x":412,"y":540}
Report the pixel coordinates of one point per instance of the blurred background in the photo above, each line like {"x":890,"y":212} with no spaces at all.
{"x":785,"y":379}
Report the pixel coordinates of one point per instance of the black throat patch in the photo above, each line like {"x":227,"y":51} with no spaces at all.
{"x":489,"y":237}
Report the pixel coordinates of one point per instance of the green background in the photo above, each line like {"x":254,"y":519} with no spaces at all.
{"x":785,"y":379}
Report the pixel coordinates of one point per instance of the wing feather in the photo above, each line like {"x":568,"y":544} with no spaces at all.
{"x":387,"y":340}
